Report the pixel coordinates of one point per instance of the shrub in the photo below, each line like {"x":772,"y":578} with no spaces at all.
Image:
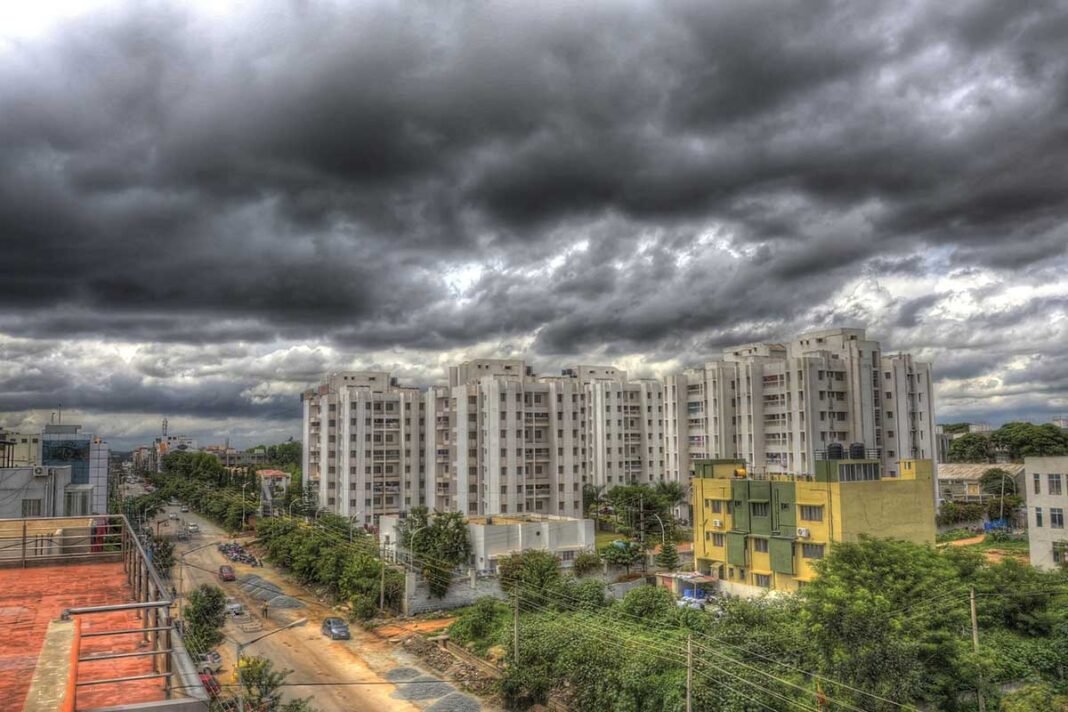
{"x":586,"y":562}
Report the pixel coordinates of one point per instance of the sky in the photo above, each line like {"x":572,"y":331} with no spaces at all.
{"x":205,"y":206}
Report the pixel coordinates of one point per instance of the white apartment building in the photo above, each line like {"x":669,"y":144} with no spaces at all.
{"x":780,"y":406}
{"x":625,"y":426}
{"x":1046,"y":492}
{"x":500,"y":440}
{"x":506,"y":442}
{"x":496,"y":440}
{"x":364,"y":439}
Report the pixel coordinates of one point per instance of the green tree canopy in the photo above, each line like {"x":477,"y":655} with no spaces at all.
{"x":971,"y":447}
{"x":1022,"y":440}
{"x":439,"y":543}
{"x":261,"y":688}
{"x":622,"y":553}
{"x":534,"y":572}
{"x":997,"y":481}
{"x":205,"y":613}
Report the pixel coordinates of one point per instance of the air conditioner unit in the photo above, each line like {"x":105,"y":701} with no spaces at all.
{"x":717,"y":523}
{"x":38,"y":471}
{"x":802,"y":532}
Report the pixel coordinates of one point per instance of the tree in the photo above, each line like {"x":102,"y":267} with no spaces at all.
{"x":998,"y":482}
{"x":971,"y":447}
{"x":205,"y":614}
{"x":534,"y":572}
{"x":261,"y":688}
{"x":858,"y":614}
{"x":622,"y":553}
{"x":162,"y":554}
{"x":1039,"y":697}
{"x":668,"y":556}
{"x":439,"y":543}
{"x":1020,"y":440}
{"x":649,"y":603}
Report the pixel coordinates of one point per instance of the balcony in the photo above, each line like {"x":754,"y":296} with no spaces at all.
{"x":66,"y":655}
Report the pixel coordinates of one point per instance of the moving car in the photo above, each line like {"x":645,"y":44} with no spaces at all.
{"x":226,"y":573}
{"x":335,"y":629}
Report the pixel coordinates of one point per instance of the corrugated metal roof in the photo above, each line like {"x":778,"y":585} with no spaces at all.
{"x":974,"y":470}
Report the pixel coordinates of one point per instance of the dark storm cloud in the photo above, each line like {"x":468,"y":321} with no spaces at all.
{"x":319,"y":172}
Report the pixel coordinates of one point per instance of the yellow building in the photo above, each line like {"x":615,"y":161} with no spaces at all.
{"x":766,"y":532}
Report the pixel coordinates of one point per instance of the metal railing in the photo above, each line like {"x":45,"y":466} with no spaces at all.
{"x":56,"y":541}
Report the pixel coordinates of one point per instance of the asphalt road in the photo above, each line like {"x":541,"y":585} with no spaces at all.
{"x":332,"y":665}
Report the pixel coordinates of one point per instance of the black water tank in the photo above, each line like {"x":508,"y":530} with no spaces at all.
{"x":856,"y":451}
{"x":834,"y":451}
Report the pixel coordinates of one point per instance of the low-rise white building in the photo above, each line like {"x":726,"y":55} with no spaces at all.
{"x":41,"y":491}
{"x":493,"y":538}
{"x":1047,"y":499}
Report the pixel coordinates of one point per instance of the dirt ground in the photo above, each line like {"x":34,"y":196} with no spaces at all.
{"x":397,"y":630}
{"x":994,"y":556}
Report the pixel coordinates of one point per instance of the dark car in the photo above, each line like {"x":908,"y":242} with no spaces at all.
{"x":210,"y":684}
{"x":226,"y":573}
{"x":335,"y":629}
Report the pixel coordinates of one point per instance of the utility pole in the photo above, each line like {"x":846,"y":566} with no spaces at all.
{"x":515,"y":625}
{"x":641,"y":519}
{"x":689,"y":672}
{"x":975,"y":647}
{"x":382,"y":584}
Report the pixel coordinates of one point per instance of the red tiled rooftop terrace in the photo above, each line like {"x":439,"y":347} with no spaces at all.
{"x":31,"y":598}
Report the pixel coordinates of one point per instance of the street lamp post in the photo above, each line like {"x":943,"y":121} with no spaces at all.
{"x":242,"y":646}
{"x":243,"y":505}
{"x":663,"y":532}
{"x":411,"y":544}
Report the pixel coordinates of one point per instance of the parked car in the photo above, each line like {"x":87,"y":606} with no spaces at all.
{"x":210,"y":684}
{"x":184,"y":508}
{"x":226,"y":573}
{"x":210,"y":662}
{"x":233,"y":607}
{"x":193,"y":527}
{"x":172,"y":515}
{"x":336,"y":629}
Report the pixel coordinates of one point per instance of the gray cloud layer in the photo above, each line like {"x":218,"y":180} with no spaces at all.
{"x":568,"y":179}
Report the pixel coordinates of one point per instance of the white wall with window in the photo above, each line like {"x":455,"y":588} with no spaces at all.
{"x":1047,"y":502}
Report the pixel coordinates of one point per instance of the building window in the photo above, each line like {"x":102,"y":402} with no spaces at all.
{"x":717,"y":506}
{"x":759,"y":509}
{"x":1054,"y":484}
{"x":811,"y":513}
{"x":31,"y":507}
{"x":812,"y":551}
{"x":760,"y":546}
{"x":1038,"y":516}
{"x":719,"y":539}
{"x":1060,"y":552}
{"x":763,"y":580}
{"x":1056,"y":518}
{"x":1038,"y":483}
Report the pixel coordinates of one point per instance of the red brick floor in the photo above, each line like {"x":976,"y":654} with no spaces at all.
{"x":32,"y":597}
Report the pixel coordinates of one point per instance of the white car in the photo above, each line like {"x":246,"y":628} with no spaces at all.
{"x":192,"y":527}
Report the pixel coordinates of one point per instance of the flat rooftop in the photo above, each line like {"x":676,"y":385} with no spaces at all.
{"x":33,"y":597}
{"x":501,"y":519}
